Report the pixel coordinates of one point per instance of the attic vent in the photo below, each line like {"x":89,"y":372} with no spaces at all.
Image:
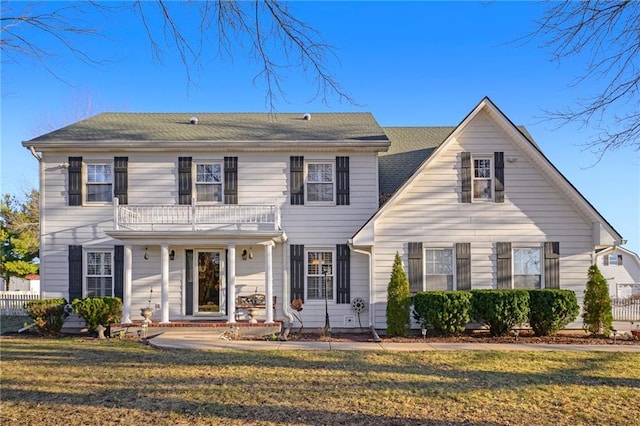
{"x":306,"y":116}
{"x":193,"y":120}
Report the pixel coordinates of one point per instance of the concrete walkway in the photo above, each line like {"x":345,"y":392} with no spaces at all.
{"x":211,"y":340}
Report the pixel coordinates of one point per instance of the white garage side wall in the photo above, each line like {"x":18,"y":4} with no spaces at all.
{"x":625,"y":275}
{"x":533,"y":212}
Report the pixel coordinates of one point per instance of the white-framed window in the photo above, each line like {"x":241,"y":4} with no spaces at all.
{"x":527,"y":267}
{"x":320,"y":182}
{"x":439,"y":269}
{"x":482,"y":178}
{"x":209,"y":182}
{"x":319,"y":277}
{"x":615,"y":260}
{"x":99,"y":182}
{"x":98,"y":273}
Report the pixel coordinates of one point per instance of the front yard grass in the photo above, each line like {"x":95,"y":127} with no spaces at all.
{"x":75,"y":381}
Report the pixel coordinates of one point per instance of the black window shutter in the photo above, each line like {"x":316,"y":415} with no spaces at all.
{"x":184,"y":180}
{"x":463,"y":266}
{"x":619,"y":260}
{"x":342,"y":181}
{"x":296,"y":166}
{"x":552,"y":264}
{"x":465,"y":177}
{"x":188,"y":285}
{"x":231,"y":180}
{"x":118,"y":272}
{"x":297,"y":272}
{"x":499,"y":176}
{"x":415,"y":268}
{"x":75,"y":181}
{"x":606,"y":260}
{"x":503,"y":263}
{"x":75,"y":273}
{"x":343,"y":273}
{"x":121,"y":179}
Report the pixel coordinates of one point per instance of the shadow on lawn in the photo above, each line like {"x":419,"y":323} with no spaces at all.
{"x":139,"y":377}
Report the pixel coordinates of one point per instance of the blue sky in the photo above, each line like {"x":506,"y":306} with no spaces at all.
{"x":408,"y":63}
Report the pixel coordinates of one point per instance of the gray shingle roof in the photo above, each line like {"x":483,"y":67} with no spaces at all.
{"x":410,"y":146}
{"x":219,"y":127}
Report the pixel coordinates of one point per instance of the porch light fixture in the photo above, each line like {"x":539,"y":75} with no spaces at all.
{"x":172,"y":255}
{"x":247,"y":254}
{"x":146,"y":254}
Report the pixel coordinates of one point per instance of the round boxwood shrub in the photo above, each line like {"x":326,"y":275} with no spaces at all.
{"x":501,"y":310}
{"x":48,"y":314}
{"x":551,"y":310}
{"x":447,"y":312}
{"x":98,"y":310}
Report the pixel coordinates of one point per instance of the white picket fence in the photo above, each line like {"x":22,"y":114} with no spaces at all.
{"x":12,"y":302}
{"x":627,"y":309}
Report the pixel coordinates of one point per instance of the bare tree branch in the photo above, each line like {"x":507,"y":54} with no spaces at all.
{"x":265,"y":29}
{"x":608,"y":34}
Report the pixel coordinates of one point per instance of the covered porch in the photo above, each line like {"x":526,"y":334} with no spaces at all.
{"x":200,"y":271}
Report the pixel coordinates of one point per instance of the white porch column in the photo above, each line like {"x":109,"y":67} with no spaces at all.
{"x":268,"y":284}
{"x":164,"y":294}
{"x":231,"y":285}
{"x":126,"y":303}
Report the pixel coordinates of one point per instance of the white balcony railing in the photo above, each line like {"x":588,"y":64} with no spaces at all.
{"x":196,"y":217}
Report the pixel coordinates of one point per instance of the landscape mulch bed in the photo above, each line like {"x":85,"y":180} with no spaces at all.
{"x":524,"y":337}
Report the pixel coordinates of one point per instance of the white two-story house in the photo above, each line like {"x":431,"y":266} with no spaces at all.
{"x":185,"y":212}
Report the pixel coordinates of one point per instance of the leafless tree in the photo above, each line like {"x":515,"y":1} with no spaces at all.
{"x":267,"y":29}
{"x":607,"y":33}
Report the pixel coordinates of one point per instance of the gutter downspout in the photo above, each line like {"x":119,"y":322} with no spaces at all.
{"x":372,"y":328}
{"x":285,"y":292}
{"x":41,"y":199}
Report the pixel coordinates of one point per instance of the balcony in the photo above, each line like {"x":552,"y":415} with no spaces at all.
{"x":194,"y":217}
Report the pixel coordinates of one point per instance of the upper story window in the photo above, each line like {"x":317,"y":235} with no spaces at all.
{"x":482,"y":179}
{"x":527,"y":268}
{"x":439,"y":269}
{"x":613,"y":260}
{"x":319,"y":275}
{"x":320,"y":182}
{"x":209,"y":182}
{"x":99,"y":274}
{"x":99,"y":182}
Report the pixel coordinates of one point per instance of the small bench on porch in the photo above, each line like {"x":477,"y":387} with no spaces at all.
{"x":251,"y":303}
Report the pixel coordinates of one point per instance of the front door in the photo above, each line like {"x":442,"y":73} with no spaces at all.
{"x":209,"y":294}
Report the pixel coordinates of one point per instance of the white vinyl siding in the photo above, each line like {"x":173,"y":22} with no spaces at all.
{"x":99,"y":182}
{"x":527,"y":268}
{"x":98,"y":273}
{"x":439,"y":269}
{"x":208,"y":182}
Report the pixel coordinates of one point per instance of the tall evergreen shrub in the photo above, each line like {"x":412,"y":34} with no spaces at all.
{"x":398,"y":301}
{"x":597,"y":317}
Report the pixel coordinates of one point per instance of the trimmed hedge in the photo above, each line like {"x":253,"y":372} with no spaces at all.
{"x":48,"y":314}
{"x":551,"y":310}
{"x":98,"y":310}
{"x":501,"y":310}
{"x":447,"y":312}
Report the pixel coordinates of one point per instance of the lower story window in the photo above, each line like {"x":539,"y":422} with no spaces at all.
{"x":99,"y":274}
{"x":438,"y":269}
{"x":320,"y":275}
{"x":527,"y":268}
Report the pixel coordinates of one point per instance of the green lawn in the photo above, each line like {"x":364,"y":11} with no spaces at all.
{"x":75,"y":381}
